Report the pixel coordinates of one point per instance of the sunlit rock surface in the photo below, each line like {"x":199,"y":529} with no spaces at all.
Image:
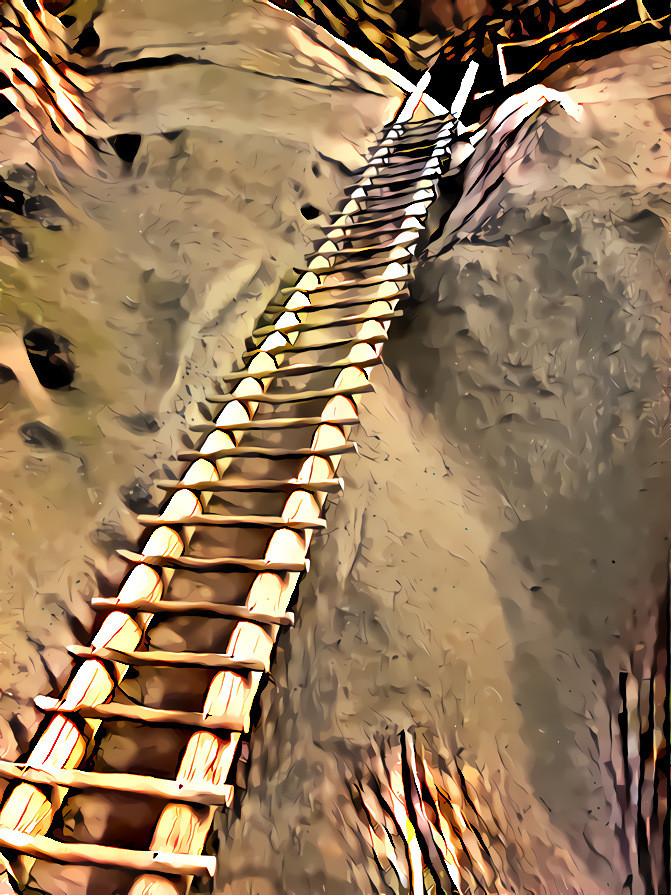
{"x":500,"y":551}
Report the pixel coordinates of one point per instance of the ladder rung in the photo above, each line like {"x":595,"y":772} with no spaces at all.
{"x":410,"y":168}
{"x":243,"y":484}
{"x":278,"y":453}
{"x":412,"y":126}
{"x":169,"y":659}
{"x":300,"y":369}
{"x":409,"y":186}
{"x":356,"y":265}
{"x":357,"y":251}
{"x":370,"y":211}
{"x":346,"y":303}
{"x":317,"y":346}
{"x":112,"y":711}
{"x":382,"y":219}
{"x":165,"y":863}
{"x":373,"y":217}
{"x":186,"y":607}
{"x":373,"y":228}
{"x":423,"y":175}
{"x":383,"y":229}
{"x":305,"y":395}
{"x":391,"y":161}
{"x":217,"y":563}
{"x":138,"y":784}
{"x":287,"y":423}
{"x":416,"y":146}
{"x":326,"y":324}
{"x":378,"y":205}
{"x":430,"y":172}
{"x":401,"y":131}
{"x":350,"y":284}
{"x":373,"y":224}
{"x":375,"y":208}
{"x":223,"y":521}
{"x":410,"y":130}
{"x":395,"y":144}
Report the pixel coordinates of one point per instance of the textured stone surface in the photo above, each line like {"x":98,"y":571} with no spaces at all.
{"x":501,"y":547}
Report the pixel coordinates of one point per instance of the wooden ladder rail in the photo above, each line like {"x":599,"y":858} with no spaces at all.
{"x":177,"y":827}
{"x":28,"y":811}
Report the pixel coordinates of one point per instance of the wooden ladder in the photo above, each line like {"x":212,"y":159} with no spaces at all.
{"x":238,"y":523}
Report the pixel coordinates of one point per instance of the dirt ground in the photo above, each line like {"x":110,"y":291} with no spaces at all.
{"x":500,"y":554}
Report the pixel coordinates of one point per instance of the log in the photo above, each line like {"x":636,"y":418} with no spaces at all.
{"x":215,"y":564}
{"x":259,"y":451}
{"x":266,"y":424}
{"x":167,"y":658}
{"x":356,"y":284}
{"x":352,"y":303}
{"x":221,"y":521}
{"x":114,"y":711}
{"x":233,"y":483}
{"x":196,"y":607}
{"x":356,"y":266}
{"x":299,"y":369}
{"x":140,"y":784}
{"x":170,"y":863}
{"x":318,"y":346}
{"x":305,"y":395}
{"x":352,"y":320}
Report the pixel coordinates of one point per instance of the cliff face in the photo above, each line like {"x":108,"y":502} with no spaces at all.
{"x":492,"y":577}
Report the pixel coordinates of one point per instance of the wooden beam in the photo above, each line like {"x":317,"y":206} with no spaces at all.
{"x":365,"y":264}
{"x":352,"y":320}
{"x":353,"y":284}
{"x":192,"y":607}
{"x":266,"y":424}
{"x":318,"y":346}
{"x":160,"y":658}
{"x":222,"y":521}
{"x":234,"y":483}
{"x":164,"y":863}
{"x":373,"y":248}
{"x":114,"y":711}
{"x":272,"y":453}
{"x":305,"y":395}
{"x":353,"y":303}
{"x":302,"y":369}
{"x":213,"y":564}
{"x":374,"y":207}
{"x":138,"y":784}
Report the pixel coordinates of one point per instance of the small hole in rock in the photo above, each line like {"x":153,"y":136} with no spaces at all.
{"x":88,"y":42}
{"x":6,"y":374}
{"x":41,"y":436}
{"x":309,"y":212}
{"x":49,"y":355}
{"x":126,"y":146}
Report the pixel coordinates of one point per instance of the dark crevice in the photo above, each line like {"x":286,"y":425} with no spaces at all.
{"x":49,"y":355}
